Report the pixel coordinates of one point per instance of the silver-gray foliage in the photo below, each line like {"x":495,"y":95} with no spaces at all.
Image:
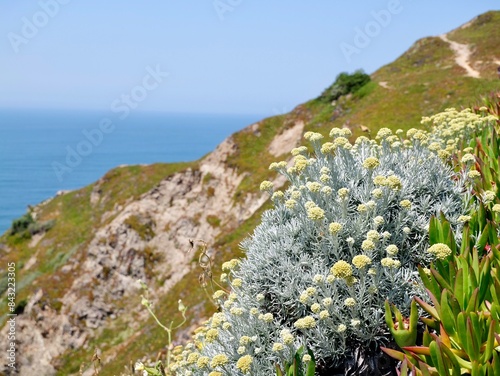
{"x":345,"y":236}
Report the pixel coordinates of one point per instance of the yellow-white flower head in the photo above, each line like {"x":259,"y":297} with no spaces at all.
{"x":266,"y":185}
{"x":341,"y":269}
{"x":488,"y":196}
{"x":392,"y":250}
{"x":343,"y":193}
{"x":360,"y":261}
{"x":473,"y":174}
{"x":468,"y":158}
{"x":313,"y":136}
{"x":341,"y":328}
{"x":324,"y":314}
{"x":371,"y":163}
{"x":315,"y":213}
{"x":389,"y":262}
{"x":334,"y":228}
{"x":406,"y":204}
{"x":327,"y":302}
{"x":383,"y":133}
{"x":315,"y":308}
{"x":440,"y":251}
{"x":368,"y":245}
{"x":313,"y":186}
{"x":219,"y":360}
{"x":350,"y":302}
{"x":307,"y":322}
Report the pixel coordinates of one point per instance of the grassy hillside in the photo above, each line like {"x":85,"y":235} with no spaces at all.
{"x":421,"y":82}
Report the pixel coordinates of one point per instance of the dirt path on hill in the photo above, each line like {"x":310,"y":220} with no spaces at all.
{"x":384,"y":84}
{"x":462,"y":55}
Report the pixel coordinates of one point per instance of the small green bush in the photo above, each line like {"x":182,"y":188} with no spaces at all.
{"x":344,"y":84}
{"x":26,"y":226}
{"x":21,"y":224}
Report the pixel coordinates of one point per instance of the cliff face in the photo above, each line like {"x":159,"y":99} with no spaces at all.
{"x":146,"y":238}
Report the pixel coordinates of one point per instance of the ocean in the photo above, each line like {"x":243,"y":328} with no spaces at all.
{"x":45,"y":151}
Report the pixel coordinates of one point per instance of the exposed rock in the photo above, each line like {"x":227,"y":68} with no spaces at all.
{"x":35,"y":239}
{"x":35,"y":330}
{"x":287,"y":140}
{"x":384,"y":84}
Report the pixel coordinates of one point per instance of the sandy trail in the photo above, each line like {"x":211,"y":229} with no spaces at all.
{"x":462,"y":55}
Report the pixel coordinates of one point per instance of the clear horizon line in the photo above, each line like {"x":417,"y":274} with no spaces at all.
{"x":143,"y":111}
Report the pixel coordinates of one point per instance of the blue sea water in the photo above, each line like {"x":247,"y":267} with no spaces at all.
{"x":42,"y":151}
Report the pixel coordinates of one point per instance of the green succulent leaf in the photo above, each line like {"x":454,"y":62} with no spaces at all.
{"x":490,"y":343}
{"x":495,"y":364}
{"x":438,"y":359}
{"x":453,"y":359}
{"x":438,"y":276}
{"x":434,"y":231}
{"x":279,"y":372}
{"x":398,"y":355}
{"x":429,"y":282}
{"x":428,"y":308}
{"x":483,"y":239}
{"x":472,"y":303}
{"x":472,"y":339}
{"x":311,"y":367}
{"x":447,"y":315}
{"x":403,"y":337}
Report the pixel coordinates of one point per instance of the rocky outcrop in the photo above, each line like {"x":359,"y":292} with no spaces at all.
{"x":42,"y":334}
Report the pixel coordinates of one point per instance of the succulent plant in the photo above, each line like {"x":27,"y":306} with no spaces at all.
{"x":462,"y":330}
{"x":463,"y":319}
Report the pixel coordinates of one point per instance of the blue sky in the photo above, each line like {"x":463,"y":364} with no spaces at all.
{"x":221,"y":56}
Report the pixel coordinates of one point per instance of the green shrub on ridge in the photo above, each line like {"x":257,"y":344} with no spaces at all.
{"x":344,"y":84}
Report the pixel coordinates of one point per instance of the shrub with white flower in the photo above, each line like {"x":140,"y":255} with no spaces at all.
{"x":346,"y":235}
